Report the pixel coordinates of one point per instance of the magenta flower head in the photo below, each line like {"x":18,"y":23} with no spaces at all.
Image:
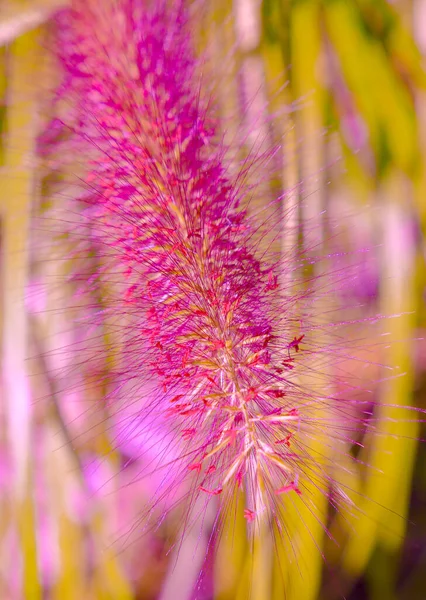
{"x":222,"y":351}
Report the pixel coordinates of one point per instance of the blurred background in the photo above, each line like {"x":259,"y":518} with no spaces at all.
{"x":343,"y":86}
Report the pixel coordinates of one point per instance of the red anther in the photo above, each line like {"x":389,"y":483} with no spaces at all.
{"x":239,"y":478}
{"x":218,"y":344}
{"x":288,"y":363}
{"x":195,"y":467}
{"x":285,"y":440}
{"x":250,"y":515}
{"x":185,"y":357}
{"x":211,"y":469}
{"x":178,"y":246}
{"x":292,"y":486}
{"x":151,"y":313}
{"x":129,"y":295}
{"x":254,"y":361}
{"x":272,"y":282}
{"x":251,"y":394}
{"x":227,"y":306}
{"x":231,"y":434}
{"x":189,"y":412}
{"x":188,"y":433}
{"x":214,"y":492}
{"x":295,"y":343}
{"x":193,"y":234}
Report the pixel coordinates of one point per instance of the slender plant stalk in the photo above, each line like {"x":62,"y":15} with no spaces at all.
{"x":16,"y":197}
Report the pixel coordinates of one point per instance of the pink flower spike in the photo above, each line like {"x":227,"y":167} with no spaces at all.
{"x":192,"y":311}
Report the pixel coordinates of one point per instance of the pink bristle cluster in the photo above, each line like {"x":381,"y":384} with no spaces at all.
{"x":206,"y":323}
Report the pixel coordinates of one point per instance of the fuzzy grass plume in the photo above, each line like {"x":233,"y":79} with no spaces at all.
{"x":223,"y":340}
